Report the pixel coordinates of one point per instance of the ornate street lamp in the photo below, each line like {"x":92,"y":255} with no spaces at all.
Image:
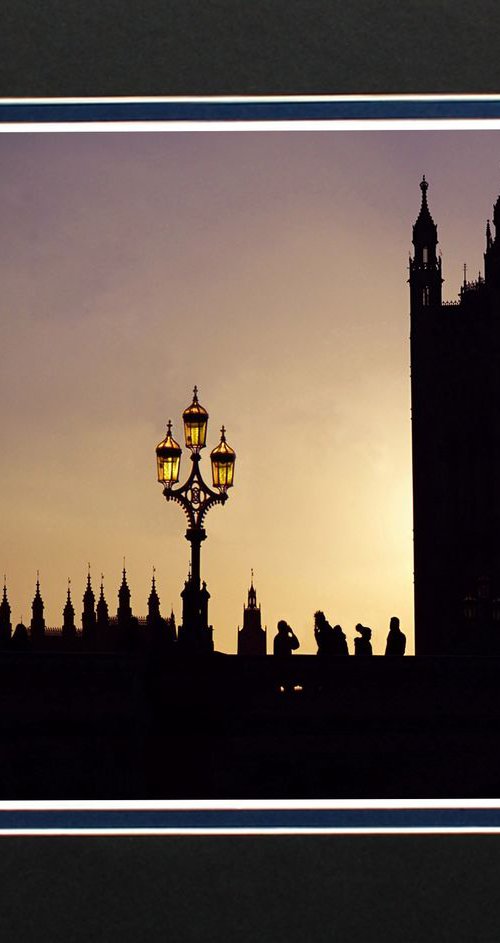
{"x":195,"y":498}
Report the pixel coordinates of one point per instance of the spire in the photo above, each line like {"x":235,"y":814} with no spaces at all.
{"x":425,"y":266}
{"x":424,"y":186}
{"x":37,"y":605}
{"x":5,"y":602}
{"x":88,"y":596}
{"x":5,"y":623}
{"x":251,"y":637}
{"x":154,"y":600}
{"x":88,"y":614}
{"x":153,"y":593}
{"x":37,"y":619}
{"x":489,"y":238}
{"x":69,"y":628}
{"x":124,"y":591}
{"x":69,"y":605}
{"x":124,"y":612}
{"x":102,"y":606}
{"x":424,"y":220}
{"x":252,"y":595}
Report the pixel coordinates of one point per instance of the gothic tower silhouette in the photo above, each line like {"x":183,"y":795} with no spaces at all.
{"x":161,"y":632}
{"x":37,"y":618}
{"x":252,"y":637}
{"x":153,"y":602}
{"x":455,"y":397}
{"x":5,"y":623}
{"x":124,"y":611}
{"x":425,"y":266}
{"x":89,"y":619}
{"x":69,"y":627}
{"x":102,"y":614}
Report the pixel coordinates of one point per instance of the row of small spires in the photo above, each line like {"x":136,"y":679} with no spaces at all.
{"x":89,"y":605}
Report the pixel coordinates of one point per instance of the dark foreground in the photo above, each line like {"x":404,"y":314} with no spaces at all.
{"x":127,"y":726}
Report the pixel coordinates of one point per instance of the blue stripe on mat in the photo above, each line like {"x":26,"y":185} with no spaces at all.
{"x":251,"y":818}
{"x":244,"y":111}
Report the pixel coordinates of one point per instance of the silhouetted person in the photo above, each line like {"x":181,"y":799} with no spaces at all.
{"x":339,"y":641}
{"x":324,"y":634}
{"x":396,"y":639}
{"x":285,"y":642}
{"x":362,"y":645}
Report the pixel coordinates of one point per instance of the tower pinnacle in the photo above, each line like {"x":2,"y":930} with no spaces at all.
{"x":425,"y":266}
{"x":154,"y":599}
{"x":102,"y":608}
{"x":252,"y":637}
{"x":5,"y":623}
{"x":69,"y":628}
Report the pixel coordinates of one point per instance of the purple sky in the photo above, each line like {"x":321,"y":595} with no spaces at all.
{"x":268,"y":268}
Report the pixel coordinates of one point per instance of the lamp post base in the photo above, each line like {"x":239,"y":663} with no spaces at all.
{"x":195,"y":634}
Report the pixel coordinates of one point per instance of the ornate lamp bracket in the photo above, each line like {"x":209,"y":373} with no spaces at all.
{"x":194,"y":496}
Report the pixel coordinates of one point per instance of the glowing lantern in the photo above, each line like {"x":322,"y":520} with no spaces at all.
{"x":195,"y":419}
{"x":168,"y":459}
{"x":223,"y":458}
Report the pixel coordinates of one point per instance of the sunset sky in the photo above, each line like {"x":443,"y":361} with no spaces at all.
{"x":268,"y":268}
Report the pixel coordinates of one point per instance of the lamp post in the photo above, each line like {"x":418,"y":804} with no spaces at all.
{"x":195,"y":498}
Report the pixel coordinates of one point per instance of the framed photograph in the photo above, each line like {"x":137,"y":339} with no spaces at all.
{"x":248,"y":488}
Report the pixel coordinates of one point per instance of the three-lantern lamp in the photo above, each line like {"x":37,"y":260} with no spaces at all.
{"x":168,"y":459}
{"x":223,"y":458}
{"x":195,"y":419}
